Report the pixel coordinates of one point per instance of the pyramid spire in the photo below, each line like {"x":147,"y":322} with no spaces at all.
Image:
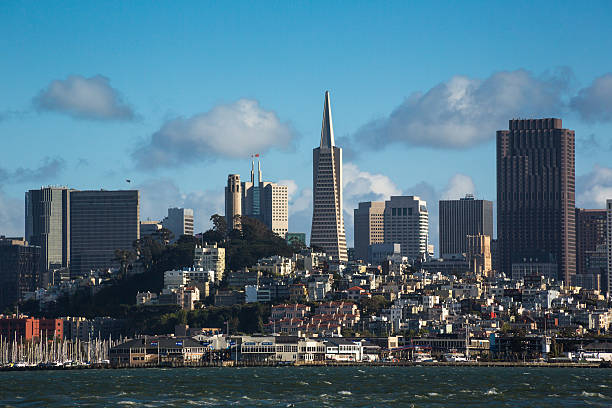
{"x":327,"y":129}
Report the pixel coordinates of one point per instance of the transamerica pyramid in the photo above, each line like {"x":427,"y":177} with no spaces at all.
{"x":327,"y":219}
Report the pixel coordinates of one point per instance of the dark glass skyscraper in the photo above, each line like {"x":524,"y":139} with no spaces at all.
{"x":536,"y":194}
{"x":460,"y":218}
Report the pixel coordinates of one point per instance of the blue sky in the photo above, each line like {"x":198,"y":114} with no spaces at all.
{"x":175,"y":95}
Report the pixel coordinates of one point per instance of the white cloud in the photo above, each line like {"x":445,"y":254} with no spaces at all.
{"x":233,"y":131}
{"x":458,"y":186}
{"x":594,"y":188}
{"x":594,"y":103}
{"x":48,"y":169}
{"x":464,"y":112}
{"x":87,"y":98}
{"x":156,"y":196}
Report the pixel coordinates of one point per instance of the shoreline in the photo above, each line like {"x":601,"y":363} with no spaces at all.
{"x":233,"y":364}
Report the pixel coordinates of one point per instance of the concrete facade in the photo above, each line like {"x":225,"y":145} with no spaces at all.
{"x":179,"y":221}
{"x":407,"y":223}
{"x":369,"y":227}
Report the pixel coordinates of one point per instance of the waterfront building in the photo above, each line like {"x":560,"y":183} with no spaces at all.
{"x":19,"y":270}
{"x":460,"y":218}
{"x":210,"y":257}
{"x":101,"y":222}
{"x":327,"y":230}
{"x":25,"y":328}
{"x":179,"y":221}
{"x":47,"y":225}
{"x":536,"y":193}
{"x":406,"y":222}
{"x":233,"y":202}
{"x":155,"y":350}
{"x":369,"y":227}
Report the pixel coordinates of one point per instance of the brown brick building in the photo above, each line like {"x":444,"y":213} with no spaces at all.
{"x":536,"y":193}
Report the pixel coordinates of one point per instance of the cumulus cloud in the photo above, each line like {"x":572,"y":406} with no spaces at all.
{"x":232,"y":131}
{"x":48,"y":169}
{"x":594,"y":103}
{"x":84,"y":98}
{"x":458,"y":186}
{"x":157,"y":195}
{"x":464,"y":112}
{"x":594,"y":188}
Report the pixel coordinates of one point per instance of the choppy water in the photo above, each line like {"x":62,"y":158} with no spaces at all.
{"x":311,"y":387}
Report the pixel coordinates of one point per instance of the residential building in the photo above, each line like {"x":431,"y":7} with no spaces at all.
{"x":47,"y":225}
{"x":233,"y":202}
{"x":179,"y":221}
{"x":210,"y":257}
{"x":101,"y":222}
{"x":19,"y":270}
{"x":369,"y":227}
{"x":536,"y":193}
{"x":327,"y":215}
{"x":460,"y":218}
{"x":407,"y":223}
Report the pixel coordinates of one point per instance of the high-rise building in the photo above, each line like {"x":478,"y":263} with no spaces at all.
{"x":608,"y":278}
{"x":266,"y":201}
{"x":210,"y":258}
{"x":179,"y":221}
{"x":369,"y":227}
{"x":407,"y":223}
{"x":591,"y":231}
{"x":233,"y":202}
{"x":47,"y":225}
{"x":460,"y":218}
{"x":101,"y":222}
{"x":536,"y":194}
{"x":20,"y":270}
{"x":478,"y":254}
{"x":327,"y":230}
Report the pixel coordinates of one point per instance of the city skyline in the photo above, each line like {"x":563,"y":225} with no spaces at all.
{"x":53,"y":137}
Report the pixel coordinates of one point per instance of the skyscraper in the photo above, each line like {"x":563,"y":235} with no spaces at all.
{"x":266,"y":201}
{"x":179,"y":221}
{"x":101,"y":222}
{"x":536,"y":193}
{"x":591,"y":232}
{"x":47,"y":225}
{"x":233,"y":202}
{"x":369,"y":227}
{"x":327,"y":230}
{"x":407,"y":224}
{"x":460,"y":218}
{"x":19,"y":270}
{"x":608,"y":278}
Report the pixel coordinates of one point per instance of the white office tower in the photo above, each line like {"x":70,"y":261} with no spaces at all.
{"x":179,"y":221}
{"x":327,"y":219}
{"x":407,"y":224}
{"x":266,"y":201}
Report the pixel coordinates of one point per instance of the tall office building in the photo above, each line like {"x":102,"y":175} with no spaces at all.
{"x":608,"y":279}
{"x":478,"y":254}
{"x":536,"y":194}
{"x":591,"y":232}
{"x":460,"y":218}
{"x":100,"y":223}
{"x":47,"y":225}
{"x":19,"y":270}
{"x":327,"y":230}
{"x":266,"y":201}
{"x":233,"y":202}
{"x":179,"y":221}
{"x":407,"y":223}
{"x":369,"y":227}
